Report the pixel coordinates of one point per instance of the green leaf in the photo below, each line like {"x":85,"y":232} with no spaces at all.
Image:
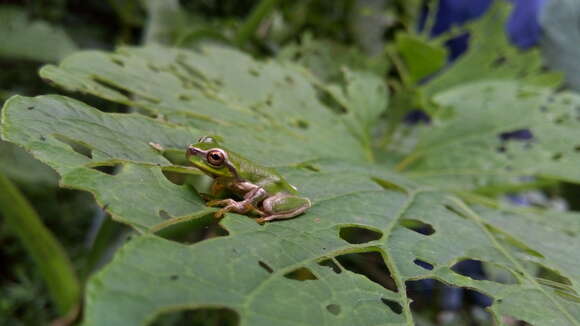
{"x":421,"y":58}
{"x":467,"y":150}
{"x":277,"y":114}
{"x":23,"y":38}
{"x":491,"y":56}
{"x":560,"y":33}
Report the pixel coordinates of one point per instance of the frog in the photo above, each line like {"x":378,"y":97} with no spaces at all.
{"x":242,"y":186}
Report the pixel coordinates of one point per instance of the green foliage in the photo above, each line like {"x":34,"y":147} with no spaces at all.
{"x":24,"y":38}
{"x":317,"y":135}
{"x":558,"y":21}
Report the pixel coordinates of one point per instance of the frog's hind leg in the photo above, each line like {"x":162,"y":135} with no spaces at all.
{"x":283,"y":206}
{"x":241,"y":207}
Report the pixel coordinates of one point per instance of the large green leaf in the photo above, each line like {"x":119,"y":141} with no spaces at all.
{"x":22,"y":37}
{"x":279,"y":115}
{"x":469,"y":146}
{"x":559,"y":20}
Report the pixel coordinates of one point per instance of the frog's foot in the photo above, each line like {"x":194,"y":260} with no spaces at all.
{"x":230,"y":205}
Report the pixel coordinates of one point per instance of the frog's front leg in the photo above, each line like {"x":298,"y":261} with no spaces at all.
{"x":283,"y":206}
{"x":242,"y":207}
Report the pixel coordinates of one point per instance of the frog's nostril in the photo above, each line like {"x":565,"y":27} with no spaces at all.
{"x":192,"y":151}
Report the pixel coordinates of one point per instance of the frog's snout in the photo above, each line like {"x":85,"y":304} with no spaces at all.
{"x":192,"y":151}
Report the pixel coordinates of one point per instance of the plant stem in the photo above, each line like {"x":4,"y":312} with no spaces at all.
{"x":41,"y":245}
{"x":248,"y":29}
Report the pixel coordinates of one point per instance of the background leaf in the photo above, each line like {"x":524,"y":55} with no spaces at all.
{"x":277,"y":114}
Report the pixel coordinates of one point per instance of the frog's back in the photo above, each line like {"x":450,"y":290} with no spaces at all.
{"x":265,"y":177}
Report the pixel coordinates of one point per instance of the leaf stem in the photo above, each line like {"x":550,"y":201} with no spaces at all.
{"x":248,"y":29}
{"x":46,"y":251}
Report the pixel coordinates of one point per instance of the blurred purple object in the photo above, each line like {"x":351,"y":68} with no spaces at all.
{"x":456,"y":13}
{"x":521,"y":134}
{"x":523,"y":26}
{"x":417,"y":116}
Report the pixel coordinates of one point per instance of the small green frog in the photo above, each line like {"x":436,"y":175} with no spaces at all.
{"x":262,"y":190}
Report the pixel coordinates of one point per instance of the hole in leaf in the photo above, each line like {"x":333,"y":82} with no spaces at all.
{"x":577,"y":148}
{"x":329,"y":263}
{"x":557,"y":156}
{"x":357,"y":235}
{"x":333,"y":309}
{"x":108,"y":169}
{"x":423,"y":293}
{"x":518,"y":135}
{"x":30,"y":108}
{"x":511,"y":320}
{"x":75,"y":145}
{"x":478,"y":270}
{"x":370,"y":264}
{"x":470,"y":268}
{"x":423,"y":264}
{"x":174,"y":277}
{"x":393,"y":305}
{"x":417,"y":226}
{"x":190,"y":231}
{"x":301,"y":274}
{"x":218,"y":316}
{"x":174,"y":177}
{"x":265,"y":266}
{"x":562,"y":285}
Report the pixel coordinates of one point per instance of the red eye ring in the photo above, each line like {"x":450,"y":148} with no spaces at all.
{"x":215,"y":157}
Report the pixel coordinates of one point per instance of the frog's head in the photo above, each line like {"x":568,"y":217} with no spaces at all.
{"x":210,"y":158}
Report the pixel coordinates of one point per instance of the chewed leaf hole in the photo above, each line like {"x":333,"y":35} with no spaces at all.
{"x":393,"y":305}
{"x":421,"y":293}
{"x":470,"y":268}
{"x":189,"y":231}
{"x":370,"y":264}
{"x":333,"y":309}
{"x":265,"y":266}
{"x":357,"y":235}
{"x":174,"y":177}
{"x":331,"y":264}
{"x":108,"y":169}
{"x":423,"y":264}
{"x":417,"y":226}
{"x":301,"y":274}
{"x":75,"y":145}
{"x":218,"y":316}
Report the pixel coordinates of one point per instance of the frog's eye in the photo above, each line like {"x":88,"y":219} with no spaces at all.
{"x":216,"y":157}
